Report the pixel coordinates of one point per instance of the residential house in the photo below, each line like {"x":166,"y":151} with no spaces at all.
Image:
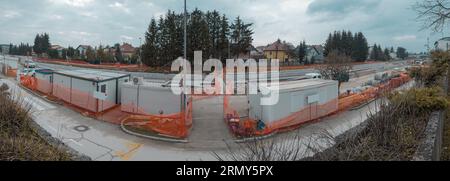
{"x":127,"y":51}
{"x":57,"y":48}
{"x":82,"y":50}
{"x":443,"y":44}
{"x":4,"y":48}
{"x":278,"y":50}
{"x":393,"y":55}
{"x":314,"y":54}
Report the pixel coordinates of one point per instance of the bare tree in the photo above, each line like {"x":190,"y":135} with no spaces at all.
{"x":337,"y":67}
{"x":433,"y":13}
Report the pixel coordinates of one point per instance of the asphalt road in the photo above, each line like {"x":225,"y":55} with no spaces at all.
{"x":286,"y":74}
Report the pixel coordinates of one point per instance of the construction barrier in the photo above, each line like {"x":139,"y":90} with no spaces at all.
{"x":81,"y":63}
{"x":172,"y":125}
{"x":8,"y":71}
{"x":176,"y":125}
{"x":28,"y":81}
{"x":247,"y":127}
{"x":354,"y":100}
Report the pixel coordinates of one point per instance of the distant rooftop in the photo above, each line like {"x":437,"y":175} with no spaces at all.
{"x":277,"y":46}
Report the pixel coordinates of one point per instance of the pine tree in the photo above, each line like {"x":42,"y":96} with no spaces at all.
{"x":373,"y":53}
{"x":46,"y":43}
{"x":380,"y":54}
{"x":363,"y":48}
{"x":401,"y":53}
{"x":223,"y":40}
{"x":199,"y":37}
{"x":348,"y":44}
{"x":387,"y":54}
{"x":241,"y":35}
{"x":37,"y":45}
{"x":328,"y":45}
{"x":207,"y":32}
{"x":150,"y":47}
{"x":90,"y":55}
{"x":302,"y":52}
{"x":214,"y":26}
{"x":118,"y":53}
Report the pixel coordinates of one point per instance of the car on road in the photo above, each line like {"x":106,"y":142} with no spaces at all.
{"x":313,"y":76}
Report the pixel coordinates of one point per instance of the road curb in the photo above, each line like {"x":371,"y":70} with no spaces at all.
{"x":170,"y":140}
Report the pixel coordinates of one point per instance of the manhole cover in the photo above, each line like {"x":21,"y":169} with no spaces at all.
{"x":81,"y":128}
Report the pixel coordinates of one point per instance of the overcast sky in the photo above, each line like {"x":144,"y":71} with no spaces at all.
{"x":94,"y":22}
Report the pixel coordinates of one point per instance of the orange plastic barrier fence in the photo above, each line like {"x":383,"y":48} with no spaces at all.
{"x":11,"y":72}
{"x":248,"y":127}
{"x":174,"y":125}
{"x":82,"y":63}
{"x":29,"y":82}
{"x":348,"y":102}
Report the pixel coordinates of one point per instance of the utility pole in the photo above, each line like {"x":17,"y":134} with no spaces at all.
{"x":229,"y":48}
{"x":185,"y":31}
{"x":183,"y":94}
{"x":140,"y":51}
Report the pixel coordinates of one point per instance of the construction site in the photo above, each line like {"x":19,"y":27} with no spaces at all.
{"x":147,"y":109}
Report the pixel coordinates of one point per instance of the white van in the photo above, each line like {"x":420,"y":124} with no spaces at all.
{"x":313,"y":76}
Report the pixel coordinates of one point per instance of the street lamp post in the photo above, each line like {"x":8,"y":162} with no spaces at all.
{"x":140,"y":51}
{"x":229,"y":48}
{"x":183,"y":94}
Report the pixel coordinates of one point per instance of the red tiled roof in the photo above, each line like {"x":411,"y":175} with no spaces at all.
{"x":127,"y":48}
{"x":277,"y":46}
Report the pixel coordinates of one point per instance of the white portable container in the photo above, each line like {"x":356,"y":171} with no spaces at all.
{"x":149,"y":98}
{"x":92,"y":90}
{"x":44,"y":78}
{"x":295,"y":96}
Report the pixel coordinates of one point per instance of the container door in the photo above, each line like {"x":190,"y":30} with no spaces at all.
{"x":313,"y":102}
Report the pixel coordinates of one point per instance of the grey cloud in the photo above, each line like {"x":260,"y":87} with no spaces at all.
{"x":340,"y":7}
{"x":97,"y":22}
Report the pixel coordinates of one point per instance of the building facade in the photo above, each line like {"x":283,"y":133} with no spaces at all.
{"x":278,"y":50}
{"x":443,"y":44}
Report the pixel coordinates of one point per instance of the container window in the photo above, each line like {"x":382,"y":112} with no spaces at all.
{"x":103,"y":88}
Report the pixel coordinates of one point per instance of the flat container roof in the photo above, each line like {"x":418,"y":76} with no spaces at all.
{"x":92,"y":75}
{"x":302,"y":85}
{"x":44,"y":71}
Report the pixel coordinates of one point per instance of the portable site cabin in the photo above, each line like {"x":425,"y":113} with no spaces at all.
{"x":300,"y":101}
{"x":44,"y":79}
{"x":92,"y":90}
{"x":148,"y":98}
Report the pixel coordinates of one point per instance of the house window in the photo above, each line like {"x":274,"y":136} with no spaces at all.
{"x":103,"y":88}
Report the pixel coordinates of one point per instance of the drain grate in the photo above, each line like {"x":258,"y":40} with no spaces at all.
{"x":81,"y":128}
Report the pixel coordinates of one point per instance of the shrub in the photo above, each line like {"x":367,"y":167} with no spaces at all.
{"x":421,"y":99}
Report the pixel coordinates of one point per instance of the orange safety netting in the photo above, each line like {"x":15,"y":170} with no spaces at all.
{"x":249,"y":127}
{"x":81,"y":63}
{"x":28,"y":81}
{"x":354,"y":100}
{"x":173,"y":125}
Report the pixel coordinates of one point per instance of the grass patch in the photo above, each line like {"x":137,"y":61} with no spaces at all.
{"x":18,"y":140}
